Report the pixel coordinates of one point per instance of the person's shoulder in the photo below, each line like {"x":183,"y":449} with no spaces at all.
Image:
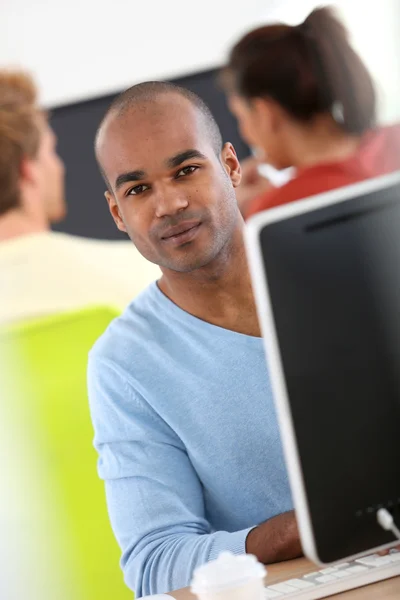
{"x":307,"y":183}
{"x":310,"y":182}
{"x":128,"y":334}
{"x":381,"y":149}
{"x":391,"y":132}
{"x":120,"y":260}
{"x":97,"y":245}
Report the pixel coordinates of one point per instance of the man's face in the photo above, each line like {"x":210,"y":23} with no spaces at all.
{"x":169,"y":190}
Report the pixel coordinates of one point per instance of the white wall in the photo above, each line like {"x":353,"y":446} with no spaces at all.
{"x":376,"y":33}
{"x":83,"y":48}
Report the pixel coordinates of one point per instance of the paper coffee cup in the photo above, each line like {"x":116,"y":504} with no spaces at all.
{"x":230,"y":577}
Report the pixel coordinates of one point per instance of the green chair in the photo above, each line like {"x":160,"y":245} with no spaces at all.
{"x":44,"y":373}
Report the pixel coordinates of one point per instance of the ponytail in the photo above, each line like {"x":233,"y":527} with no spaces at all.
{"x":308,"y":69}
{"x":341,"y":75}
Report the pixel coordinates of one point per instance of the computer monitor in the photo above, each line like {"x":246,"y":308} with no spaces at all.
{"x":326,"y":275}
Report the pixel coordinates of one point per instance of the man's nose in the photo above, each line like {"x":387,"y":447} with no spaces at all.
{"x":169,"y":201}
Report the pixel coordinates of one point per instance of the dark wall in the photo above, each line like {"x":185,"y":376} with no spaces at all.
{"x":75,"y":126}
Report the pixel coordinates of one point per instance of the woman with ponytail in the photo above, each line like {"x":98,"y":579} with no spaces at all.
{"x":304,"y":99}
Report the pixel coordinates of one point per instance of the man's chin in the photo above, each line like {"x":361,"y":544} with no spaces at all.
{"x":188,"y":266}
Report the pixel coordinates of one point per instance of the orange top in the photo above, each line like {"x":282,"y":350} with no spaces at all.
{"x":378,"y":154}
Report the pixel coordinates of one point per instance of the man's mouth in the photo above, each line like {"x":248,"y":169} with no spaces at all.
{"x":181,"y":234}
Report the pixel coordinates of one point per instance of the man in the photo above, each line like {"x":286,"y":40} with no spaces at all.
{"x":43,"y":272}
{"x":180,"y":397}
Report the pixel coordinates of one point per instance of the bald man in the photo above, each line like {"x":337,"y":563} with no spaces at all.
{"x":180,"y":394}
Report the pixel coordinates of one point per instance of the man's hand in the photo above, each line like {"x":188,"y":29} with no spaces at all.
{"x":275,"y":540}
{"x":252,"y":185}
{"x":385,"y":552}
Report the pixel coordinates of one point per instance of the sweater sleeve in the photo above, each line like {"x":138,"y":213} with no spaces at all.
{"x":154,"y":496}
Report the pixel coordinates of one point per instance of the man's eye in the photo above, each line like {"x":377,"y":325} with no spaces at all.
{"x":138,"y":189}
{"x":186,"y":171}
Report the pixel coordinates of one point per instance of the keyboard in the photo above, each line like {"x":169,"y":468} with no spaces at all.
{"x":338,"y":578}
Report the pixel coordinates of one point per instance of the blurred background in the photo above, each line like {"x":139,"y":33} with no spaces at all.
{"x":82,"y":53}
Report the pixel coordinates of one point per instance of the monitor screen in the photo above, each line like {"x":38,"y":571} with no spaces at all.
{"x":334,"y":284}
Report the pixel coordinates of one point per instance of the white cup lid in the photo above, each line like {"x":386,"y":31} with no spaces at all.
{"x":227,"y":571}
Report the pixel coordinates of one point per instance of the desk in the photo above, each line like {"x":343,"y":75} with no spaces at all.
{"x":384,"y":590}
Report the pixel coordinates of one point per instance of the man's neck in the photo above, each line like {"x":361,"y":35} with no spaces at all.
{"x":220,"y":293}
{"x":15,"y":224}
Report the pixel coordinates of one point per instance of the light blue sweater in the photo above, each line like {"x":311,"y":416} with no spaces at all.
{"x":187,"y":437}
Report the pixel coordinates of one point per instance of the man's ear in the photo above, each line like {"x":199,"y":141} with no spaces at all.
{"x":114,"y":210}
{"x":28,"y":171}
{"x":30,"y":184}
{"x":231,"y":163}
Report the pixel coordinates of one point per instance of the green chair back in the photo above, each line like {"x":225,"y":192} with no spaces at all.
{"x":44,"y":373}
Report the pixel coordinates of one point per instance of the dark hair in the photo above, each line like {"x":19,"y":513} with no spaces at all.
{"x":308,"y":69}
{"x":150,"y":91}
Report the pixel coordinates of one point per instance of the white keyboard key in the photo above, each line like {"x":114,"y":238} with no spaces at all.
{"x":300,"y":584}
{"x":328,"y":571}
{"x":367,"y":556}
{"x":395,"y":557}
{"x":382,"y":561}
{"x":370,"y":557}
{"x":356,"y":570}
{"x":282,"y":588}
{"x":379,"y":561}
{"x":342,"y":565}
{"x":341,"y":574}
{"x":271,"y":594}
{"x":325,"y":579}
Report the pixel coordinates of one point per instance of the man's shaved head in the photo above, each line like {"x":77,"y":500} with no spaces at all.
{"x":151,"y":91}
